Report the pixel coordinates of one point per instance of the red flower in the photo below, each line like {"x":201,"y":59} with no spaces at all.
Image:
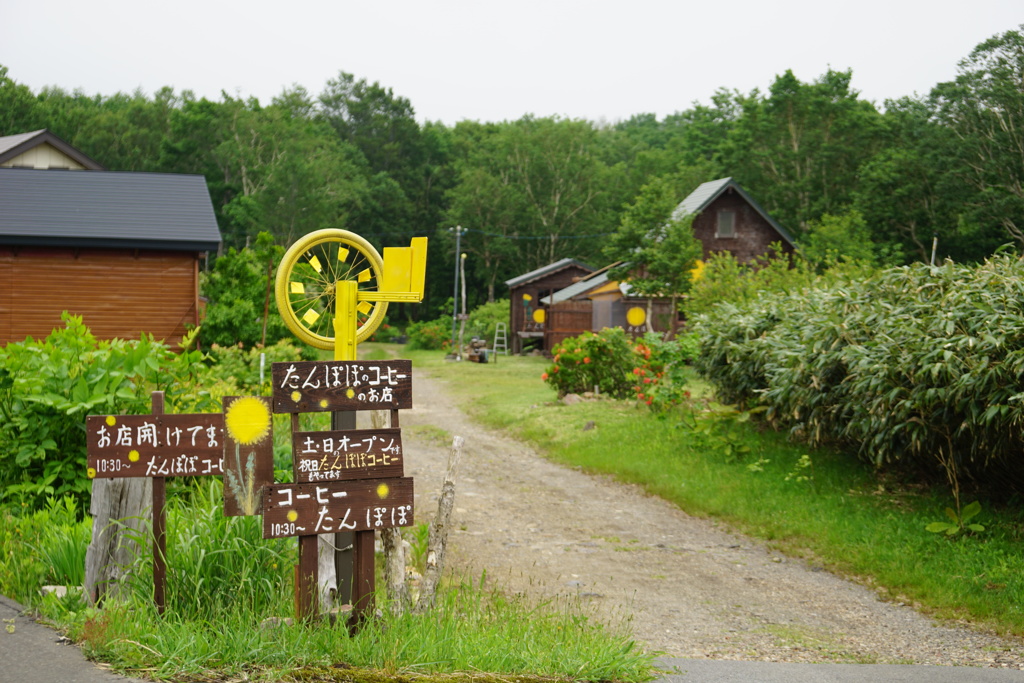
{"x":637,"y":371}
{"x":586,"y":360}
{"x":544,"y":375}
{"x":650,"y":401}
{"x":647,"y":380}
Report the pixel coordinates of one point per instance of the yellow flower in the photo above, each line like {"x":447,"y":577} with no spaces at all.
{"x":247,"y":420}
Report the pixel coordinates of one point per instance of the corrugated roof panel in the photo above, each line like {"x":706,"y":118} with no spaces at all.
{"x":545,"y":270}
{"x":150,"y":210}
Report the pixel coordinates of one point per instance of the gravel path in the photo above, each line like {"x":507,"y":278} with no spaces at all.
{"x":687,"y":586}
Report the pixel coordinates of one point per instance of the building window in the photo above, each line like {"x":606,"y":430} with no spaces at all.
{"x":726,"y":225}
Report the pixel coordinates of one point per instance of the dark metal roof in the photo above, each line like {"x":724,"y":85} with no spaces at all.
{"x":546,"y":270}
{"x":106,"y":209}
{"x":708,"y":192}
{"x":12,"y":146}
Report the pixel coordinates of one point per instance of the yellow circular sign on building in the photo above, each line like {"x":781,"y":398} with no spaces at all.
{"x":636,"y":316}
{"x":538,"y":316}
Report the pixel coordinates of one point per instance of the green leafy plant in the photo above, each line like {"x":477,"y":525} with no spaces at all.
{"x":602,"y":361}
{"x":48,"y":387}
{"x":429,"y":335}
{"x":959,"y":522}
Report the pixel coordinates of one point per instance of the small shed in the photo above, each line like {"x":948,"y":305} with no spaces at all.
{"x":727,"y":219}
{"x":120,"y":249}
{"x":527,"y":315}
{"x":597,"y":302}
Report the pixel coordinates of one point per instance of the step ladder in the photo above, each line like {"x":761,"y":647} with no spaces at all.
{"x":500,"y":339}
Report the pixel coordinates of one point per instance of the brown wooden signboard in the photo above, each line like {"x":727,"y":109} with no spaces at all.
{"x":309,"y":509}
{"x":154,"y":445}
{"x":347,"y":455}
{"x":317,"y":386}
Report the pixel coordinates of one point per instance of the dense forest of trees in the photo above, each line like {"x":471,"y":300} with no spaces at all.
{"x":948,"y":164}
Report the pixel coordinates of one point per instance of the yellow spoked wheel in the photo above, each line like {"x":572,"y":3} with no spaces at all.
{"x":306,"y":279}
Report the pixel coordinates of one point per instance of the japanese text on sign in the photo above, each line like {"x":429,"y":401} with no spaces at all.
{"x":344,"y":455}
{"x":310,"y":509}
{"x":154,"y":445}
{"x":342,"y":385}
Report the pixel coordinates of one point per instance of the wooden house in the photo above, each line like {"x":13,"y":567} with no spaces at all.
{"x":120,"y":249}
{"x":725,"y":219}
{"x":528,"y":316}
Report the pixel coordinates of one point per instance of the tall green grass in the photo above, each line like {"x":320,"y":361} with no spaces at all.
{"x":230,"y":599}
{"x":834,"y":511}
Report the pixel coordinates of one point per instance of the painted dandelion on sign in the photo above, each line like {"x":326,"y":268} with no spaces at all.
{"x":248,"y":426}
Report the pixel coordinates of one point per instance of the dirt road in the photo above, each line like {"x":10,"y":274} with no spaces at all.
{"x":687,"y":586}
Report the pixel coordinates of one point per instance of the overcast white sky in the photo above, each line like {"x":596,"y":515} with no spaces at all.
{"x":495,"y":61}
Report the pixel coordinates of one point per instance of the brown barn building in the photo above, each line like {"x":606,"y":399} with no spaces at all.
{"x":528,"y":316}
{"x":120,"y":249}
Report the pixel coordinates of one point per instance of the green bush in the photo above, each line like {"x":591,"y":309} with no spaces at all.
{"x":604,"y":361}
{"x":48,"y":387}
{"x":235,"y":370}
{"x":918,"y":365}
{"x":239,"y":289}
{"x":484,"y":319}
{"x":429,"y":335}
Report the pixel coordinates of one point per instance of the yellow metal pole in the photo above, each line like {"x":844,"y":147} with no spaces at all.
{"x":345,"y":320}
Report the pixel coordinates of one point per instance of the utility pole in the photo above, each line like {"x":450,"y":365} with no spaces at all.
{"x":455,"y":294}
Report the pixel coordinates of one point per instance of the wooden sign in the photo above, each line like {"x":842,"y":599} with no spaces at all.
{"x":317,"y":386}
{"x":347,"y":455}
{"x":154,"y":445}
{"x":309,"y":509}
{"x":248,"y":453}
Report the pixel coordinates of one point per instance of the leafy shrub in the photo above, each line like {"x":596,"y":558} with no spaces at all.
{"x":239,"y":289}
{"x":429,"y":335}
{"x":917,"y":365}
{"x":659,"y":371}
{"x":385,"y":333}
{"x":48,"y":387}
{"x":484,"y":319}
{"x":236,"y":368}
{"x":604,"y":360}
{"x":45,"y":546}
{"x":723,"y":279}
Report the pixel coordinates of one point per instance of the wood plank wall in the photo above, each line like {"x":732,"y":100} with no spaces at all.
{"x":119,"y":293}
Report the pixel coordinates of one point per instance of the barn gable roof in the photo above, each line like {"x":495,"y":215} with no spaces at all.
{"x":13,"y":146}
{"x":106,"y":209}
{"x":546,"y":270}
{"x":699,"y":199}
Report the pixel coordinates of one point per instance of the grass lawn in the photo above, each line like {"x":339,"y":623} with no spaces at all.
{"x":819,"y":504}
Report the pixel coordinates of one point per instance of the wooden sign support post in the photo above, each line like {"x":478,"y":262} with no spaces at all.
{"x":159,"y":524}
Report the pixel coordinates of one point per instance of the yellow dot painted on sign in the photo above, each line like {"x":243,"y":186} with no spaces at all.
{"x":111,"y":420}
{"x":538,"y":316}
{"x":350,"y":393}
{"x":527,"y":297}
{"x":383,"y":491}
{"x":91,"y":472}
{"x":323,"y":403}
{"x":636,"y":316}
{"x":133,"y":455}
{"x":296,"y":396}
{"x":292,"y":515}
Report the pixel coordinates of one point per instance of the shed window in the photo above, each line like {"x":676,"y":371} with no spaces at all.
{"x":726,"y":224}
